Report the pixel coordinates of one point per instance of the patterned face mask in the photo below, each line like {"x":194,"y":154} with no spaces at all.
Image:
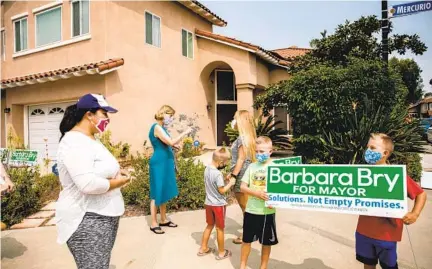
{"x":372,"y":157}
{"x":262,"y":157}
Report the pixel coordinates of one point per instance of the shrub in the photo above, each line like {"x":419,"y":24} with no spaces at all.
{"x":24,"y":200}
{"x":48,"y":187}
{"x":265,"y":127}
{"x":190,"y":182}
{"x":119,"y":150}
{"x":346,"y":143}
{"x":137,"y":192}
{"x":413,"y":163}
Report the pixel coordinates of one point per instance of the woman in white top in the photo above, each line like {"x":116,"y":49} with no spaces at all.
{"x":90,"y":203}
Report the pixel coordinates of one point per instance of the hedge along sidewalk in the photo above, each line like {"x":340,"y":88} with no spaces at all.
{"x":45,"y":217}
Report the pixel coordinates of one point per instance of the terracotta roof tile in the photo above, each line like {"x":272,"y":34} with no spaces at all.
{"x":203,"y":11}
{"x":291,"y":52}
{"x":97,"y":67}
{"x":268,"y":55}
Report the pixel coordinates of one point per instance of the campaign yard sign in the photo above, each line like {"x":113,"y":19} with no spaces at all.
{"x":23,"y":158}
{"x":289,"y":160}
{"x":352,"y":189}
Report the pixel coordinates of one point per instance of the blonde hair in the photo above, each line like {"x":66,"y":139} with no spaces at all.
{"x":221,"y":155}
{"x":247,"y":132}
{"x":264,"y":140}
{"x":387,"y":141}
{"x":165,"y":109}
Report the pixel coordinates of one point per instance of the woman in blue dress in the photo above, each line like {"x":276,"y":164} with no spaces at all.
{"x":163,"y":183}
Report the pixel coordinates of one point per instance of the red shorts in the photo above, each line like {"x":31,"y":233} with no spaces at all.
{"x":215,"y":215}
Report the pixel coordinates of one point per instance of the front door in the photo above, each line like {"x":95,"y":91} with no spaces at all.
{"x":226,"y":103}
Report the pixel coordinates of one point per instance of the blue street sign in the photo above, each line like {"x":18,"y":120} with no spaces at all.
{"x":409,"y":8}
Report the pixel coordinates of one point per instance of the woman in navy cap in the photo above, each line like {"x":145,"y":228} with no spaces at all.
{"x":90,"y":203}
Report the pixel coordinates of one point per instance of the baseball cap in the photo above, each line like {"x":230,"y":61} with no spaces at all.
{"x":95,"y":101}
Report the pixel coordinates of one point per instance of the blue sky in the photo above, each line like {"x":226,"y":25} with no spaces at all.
{"x":280,"y":24}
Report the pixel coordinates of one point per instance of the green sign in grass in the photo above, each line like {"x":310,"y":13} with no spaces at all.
{"x":23,"y":158}
{"x":354,"y":189}
{"x":289,"y":160}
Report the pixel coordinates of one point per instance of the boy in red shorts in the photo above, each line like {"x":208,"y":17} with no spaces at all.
{"x":215,"y":203}
{"x":377,"y":237}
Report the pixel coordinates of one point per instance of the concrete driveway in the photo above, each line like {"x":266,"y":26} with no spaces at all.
{"x":308,"y":240}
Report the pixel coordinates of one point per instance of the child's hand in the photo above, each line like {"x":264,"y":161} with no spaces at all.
{"x":262,"y":195}
{"x":270,"y":207}
{"x":410,"y":218}
{"x":232,"y":181}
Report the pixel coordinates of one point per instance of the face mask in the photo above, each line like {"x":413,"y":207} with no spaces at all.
{"x":167,"y":120}
{"x":233,"y":124}
{"x":372,"y":157}
{"x":262,"y":157}
{"x":101,"y":125}
{"x":222,"y":167}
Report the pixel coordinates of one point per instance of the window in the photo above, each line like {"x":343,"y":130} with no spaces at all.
{"x":80,"y":17}
{"x":20,"y":29}
{"x":152,"y":30}
{"x":281,"y":114}
{"x":187,"y":44}
{"x":48,"y":26}
{"x":225,"y":88}
{"x":56,"y":110}
{"x":3,"y":45}
{"x":37,"y":112}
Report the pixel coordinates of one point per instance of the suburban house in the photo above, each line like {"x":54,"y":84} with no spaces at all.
{"x":421,"y":109}
{"x":140,"y":55}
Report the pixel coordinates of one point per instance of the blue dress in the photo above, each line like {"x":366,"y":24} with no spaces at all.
{"x":163,"y":183}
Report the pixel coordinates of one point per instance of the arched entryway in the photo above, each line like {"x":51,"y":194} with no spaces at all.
{"x":218,"y":79}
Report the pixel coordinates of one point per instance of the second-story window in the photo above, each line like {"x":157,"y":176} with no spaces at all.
{"x":187,"y":44}
{"x":80,"y":17}
{"x":152,"y":29}
{"x":48,"y":26}
{"x":3,"y":45}
{"x":20,"y":30}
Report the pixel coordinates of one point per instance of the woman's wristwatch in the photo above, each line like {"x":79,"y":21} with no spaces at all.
{"x":234,"y":176}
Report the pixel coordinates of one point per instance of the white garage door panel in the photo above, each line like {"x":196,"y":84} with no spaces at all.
{"x":44,"y":133}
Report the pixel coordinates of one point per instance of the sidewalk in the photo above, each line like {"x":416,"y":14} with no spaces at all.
{"x":308,"y":240}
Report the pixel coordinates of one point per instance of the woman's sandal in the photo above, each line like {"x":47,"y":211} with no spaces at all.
{"x":157,"y":230}
{"x":168,"y":224}
{"x":226,"y":255}
{"x":209,"y":250}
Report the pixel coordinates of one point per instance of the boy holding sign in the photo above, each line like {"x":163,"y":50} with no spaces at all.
{"x":259,"y":220}
{"x":377,"y":237}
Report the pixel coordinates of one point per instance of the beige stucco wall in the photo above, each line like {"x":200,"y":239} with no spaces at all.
{"x":278,"y":74}
{"x":65,"y":56}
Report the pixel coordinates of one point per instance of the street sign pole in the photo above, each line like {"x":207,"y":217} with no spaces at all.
{"x":385,"y":32}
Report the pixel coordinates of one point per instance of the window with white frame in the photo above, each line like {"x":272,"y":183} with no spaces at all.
{"x":152,"y":29}
{"x":281,"y":115}
{"x":48,"y":26}
{"x":20,"y":30}
{"x":3,"y":45}
{"x":187,"y":44}
{"x":80,"y":17}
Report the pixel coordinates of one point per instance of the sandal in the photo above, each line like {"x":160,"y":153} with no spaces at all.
{"x":226,"y":255}
{"x":238,"y":241}
{"x":168,"y":224}
{"x":209,"y":250}
{"x":157,"y":230}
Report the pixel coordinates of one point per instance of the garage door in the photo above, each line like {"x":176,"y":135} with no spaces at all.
{"x":44,"y":134}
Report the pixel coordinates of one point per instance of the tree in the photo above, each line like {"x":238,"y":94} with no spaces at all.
{"x":428,"y":94}
{"x":331,"y":80}
{"x":411,"y":77}
{"x":356,"y":39}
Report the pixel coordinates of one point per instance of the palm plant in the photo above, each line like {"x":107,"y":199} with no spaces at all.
{"x":347,"y":143}
{"x":265,"y":126}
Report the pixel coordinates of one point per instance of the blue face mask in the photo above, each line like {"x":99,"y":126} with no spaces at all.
{"x":372,"y":157}
{"x":262,"y":157}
